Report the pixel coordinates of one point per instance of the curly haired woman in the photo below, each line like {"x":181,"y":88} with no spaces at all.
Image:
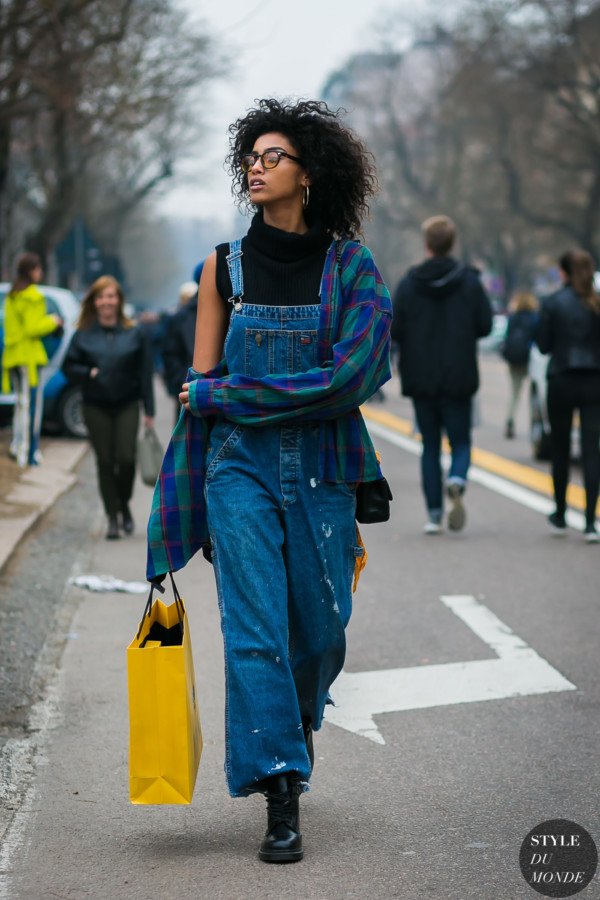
{"x":292,"y":336}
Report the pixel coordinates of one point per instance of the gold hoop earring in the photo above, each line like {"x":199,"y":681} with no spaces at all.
{"x":305,"y":196}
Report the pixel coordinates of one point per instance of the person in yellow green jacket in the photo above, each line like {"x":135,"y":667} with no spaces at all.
{"x":26,"y":322}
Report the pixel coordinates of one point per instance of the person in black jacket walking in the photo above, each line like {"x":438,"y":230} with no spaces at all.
{"x":112,"y":360}
{"x":440,"y":310}
{"x":570,"y":331}
{"x":178,"y":349}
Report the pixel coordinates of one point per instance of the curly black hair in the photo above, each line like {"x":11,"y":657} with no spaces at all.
{"x":340,"y":166}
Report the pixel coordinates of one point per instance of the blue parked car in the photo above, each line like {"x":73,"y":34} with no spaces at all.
{"x":62,"y":400}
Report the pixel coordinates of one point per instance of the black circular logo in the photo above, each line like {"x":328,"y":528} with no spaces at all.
{"x":558,"y":858}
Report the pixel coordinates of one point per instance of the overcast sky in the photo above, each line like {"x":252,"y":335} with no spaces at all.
{"x":280,"y":48}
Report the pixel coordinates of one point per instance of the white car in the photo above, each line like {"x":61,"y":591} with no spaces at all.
{"x":62,"y":400}
{"x":539,"y":426}
{"x":493,"y":341}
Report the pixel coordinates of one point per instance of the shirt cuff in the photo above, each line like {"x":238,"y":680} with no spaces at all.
{"x":193,"y":375}
{"x":199,"y":395}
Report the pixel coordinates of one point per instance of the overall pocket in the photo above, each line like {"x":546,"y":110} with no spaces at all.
{"x":223,"y":438}
{"x":258,"y":352}
{"x":305,"y":350}
{"x":275,"y":351}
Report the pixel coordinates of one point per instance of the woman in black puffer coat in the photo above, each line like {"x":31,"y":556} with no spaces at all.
{"x":111,"y":359}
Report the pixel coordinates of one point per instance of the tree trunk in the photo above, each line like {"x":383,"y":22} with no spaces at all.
{"x":61,"y":203}
{"x":5,"y":133}
{"x":591,"y":220}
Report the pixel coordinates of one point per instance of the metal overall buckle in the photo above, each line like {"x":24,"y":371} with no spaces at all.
{"x":236,"y":302}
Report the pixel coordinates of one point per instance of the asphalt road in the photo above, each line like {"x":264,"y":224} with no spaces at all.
{"x":435,"y":807}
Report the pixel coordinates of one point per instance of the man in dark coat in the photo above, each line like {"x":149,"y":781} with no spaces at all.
{"x":440,"y":310}
{"x":178,"y":350}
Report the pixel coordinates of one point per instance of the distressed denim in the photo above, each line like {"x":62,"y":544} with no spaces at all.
{"x":283,"y":553}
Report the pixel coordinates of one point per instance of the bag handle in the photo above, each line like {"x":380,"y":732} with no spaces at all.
{"x":178,"y":600}
{"x":155,"y":586}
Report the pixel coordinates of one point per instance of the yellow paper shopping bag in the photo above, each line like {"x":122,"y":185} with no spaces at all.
{"x":165,"y":740}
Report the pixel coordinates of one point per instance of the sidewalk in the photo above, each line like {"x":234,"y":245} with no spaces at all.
{"x":26,"y":494}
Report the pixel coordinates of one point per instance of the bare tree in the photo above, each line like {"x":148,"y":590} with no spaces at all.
{"x":531,"y":71}
{"x":102,"y":101}
{"x":21,"y":32}
{"x":493,"y":119}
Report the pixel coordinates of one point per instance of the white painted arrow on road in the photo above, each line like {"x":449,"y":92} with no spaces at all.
{"x":517,"y":672}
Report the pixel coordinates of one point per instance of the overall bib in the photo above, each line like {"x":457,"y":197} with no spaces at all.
{"x":283,"y":553}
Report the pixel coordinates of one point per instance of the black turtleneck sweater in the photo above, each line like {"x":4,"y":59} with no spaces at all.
{"x":280,"y":268}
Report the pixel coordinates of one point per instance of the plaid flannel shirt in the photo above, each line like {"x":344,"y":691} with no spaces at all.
{"x":353,"y":353}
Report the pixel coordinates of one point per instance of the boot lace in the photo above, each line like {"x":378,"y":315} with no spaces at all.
{"x":281,"y":807}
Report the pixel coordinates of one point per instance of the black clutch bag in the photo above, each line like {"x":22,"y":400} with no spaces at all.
{"x":373,"y":501}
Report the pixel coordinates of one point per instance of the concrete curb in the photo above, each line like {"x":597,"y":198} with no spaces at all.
{"x":36,"y":490}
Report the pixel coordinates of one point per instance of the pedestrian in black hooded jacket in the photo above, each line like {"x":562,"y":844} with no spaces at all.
{"x":440,"y":311}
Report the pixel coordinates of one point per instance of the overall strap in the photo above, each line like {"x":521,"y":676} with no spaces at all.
{"x":234,"y":264}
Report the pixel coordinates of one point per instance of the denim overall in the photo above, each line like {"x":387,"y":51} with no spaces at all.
{"x":283,"y":553}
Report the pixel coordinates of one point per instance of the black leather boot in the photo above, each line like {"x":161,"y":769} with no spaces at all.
{"x":113,"y":528}
{"x":308,"y":737}
{"x":128,"y":524}
{"x":282,"y":841}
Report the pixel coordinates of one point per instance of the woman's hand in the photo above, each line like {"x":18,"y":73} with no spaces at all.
{"x":94,"y":372}
{"x":148,"y":422}
{"x":184,"y":397}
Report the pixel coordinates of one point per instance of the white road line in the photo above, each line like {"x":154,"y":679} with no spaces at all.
{"x":525,"y":497}
{"x":518,"y":671}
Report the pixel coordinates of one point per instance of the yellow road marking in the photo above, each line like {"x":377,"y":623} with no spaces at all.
{"x":526,"y":476}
